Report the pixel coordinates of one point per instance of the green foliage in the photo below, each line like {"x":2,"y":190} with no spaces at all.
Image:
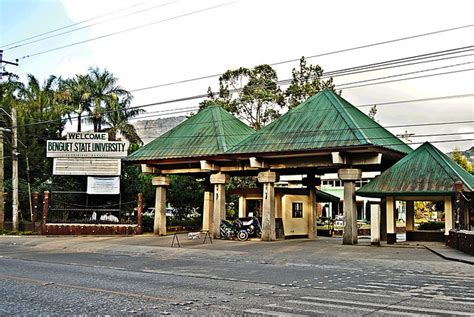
{"x":305,"y":83}
{"x":373,"y":112}
{"x":431,"y":225}
{"x":185,"y":195}
{"x":252,"y":94}
{"x":462,"y":160}
{"x":132,"y":182}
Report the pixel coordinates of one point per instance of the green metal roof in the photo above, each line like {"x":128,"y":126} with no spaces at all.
{"x":424,"y":172}
{"x":325,"y":120}
{"x":209,"y":132}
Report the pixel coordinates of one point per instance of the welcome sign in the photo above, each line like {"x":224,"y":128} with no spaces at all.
{"x":86,"y":144}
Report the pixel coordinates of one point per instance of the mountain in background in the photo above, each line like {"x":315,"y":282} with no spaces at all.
{"x":148,"y":130}
{"x":469,"y":153}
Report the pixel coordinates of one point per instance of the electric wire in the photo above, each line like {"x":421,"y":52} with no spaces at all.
{"x":89,"y":25}
{"x":128,"y":30}
{"x":74,"y":24}
{"x":350,"y":70}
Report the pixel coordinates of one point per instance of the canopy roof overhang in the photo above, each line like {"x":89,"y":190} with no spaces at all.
{"x":367,"y":158}
{"x":321,"y":135}
{"x":423,"y":173}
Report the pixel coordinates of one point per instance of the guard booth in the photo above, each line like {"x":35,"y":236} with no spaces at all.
{"x":292,"y":208}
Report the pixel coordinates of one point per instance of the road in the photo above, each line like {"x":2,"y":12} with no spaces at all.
{"x":144,"y":276}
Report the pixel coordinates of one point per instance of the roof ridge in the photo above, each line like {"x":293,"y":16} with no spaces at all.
{"x":341,"y":109}
{"x":217,"y":116}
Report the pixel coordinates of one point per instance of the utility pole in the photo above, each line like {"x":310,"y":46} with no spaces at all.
{"x":14,"y":171}
{"x":14,"y":152}
{"x":2,"y":205}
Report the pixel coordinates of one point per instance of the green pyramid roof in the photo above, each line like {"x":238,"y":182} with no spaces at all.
{"x":209,"y":132}
{"x":424,"y":172}
{"x":325,"y":120}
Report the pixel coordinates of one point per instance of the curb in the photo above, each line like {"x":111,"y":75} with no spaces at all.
{"x":449,"y":258}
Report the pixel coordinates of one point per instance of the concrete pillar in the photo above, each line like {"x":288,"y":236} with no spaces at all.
{"x":242,"y":207}
{"x":410,"y":215}
{"x":161,"y":182}
{"x":448,"y":215}
{"x":383,"y":219}
{"x":208,"y":211}
{"x":312,"y":228}
{"x":218,"y":180}
{"x":375,"y":224}
{"x":349,"y":176}
{"x":391,"y":229}
{"x":268,"y":214}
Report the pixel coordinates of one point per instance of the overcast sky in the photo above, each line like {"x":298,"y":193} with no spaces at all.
{"x":199,"y":38}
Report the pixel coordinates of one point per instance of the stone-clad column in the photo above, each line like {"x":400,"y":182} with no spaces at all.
{"x":349,"y":176}
{"x":218,"y":180}
{"x":268,"y":179}
{"x":310,"y":181}
{"x":391,"y":223}
{"x":448,"y":215}
{"x":208,"y":211}
{"x":410,"y":215}
{"x":375,"y":224}
{"x":161,"y":182}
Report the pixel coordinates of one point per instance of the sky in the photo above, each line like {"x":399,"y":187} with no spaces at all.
{"x":186,"y":39}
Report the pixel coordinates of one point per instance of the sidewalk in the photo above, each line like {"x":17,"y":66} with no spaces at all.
{"x":281,"y":250}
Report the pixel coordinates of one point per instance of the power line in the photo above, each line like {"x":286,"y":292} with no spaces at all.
{"x":128,"y":30}
{"x":74,"y":24}
{"x":89,"y":25}
{"x":377,"y":43}
{"x":416,"y":100}
{"x":410,"y":78}
{"x":351,"y":70}
{"x":195,"y":108}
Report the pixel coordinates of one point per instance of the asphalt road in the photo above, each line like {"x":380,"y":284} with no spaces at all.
{"x":144,"y":276}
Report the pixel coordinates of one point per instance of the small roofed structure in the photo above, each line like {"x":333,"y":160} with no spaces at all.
{"x":324,"y":134}
{"x":425,"y":174}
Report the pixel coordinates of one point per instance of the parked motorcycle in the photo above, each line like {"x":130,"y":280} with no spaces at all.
{"x":240,"y":230}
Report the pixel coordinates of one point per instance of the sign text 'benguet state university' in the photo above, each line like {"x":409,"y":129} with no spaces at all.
{"x":86,"y":144}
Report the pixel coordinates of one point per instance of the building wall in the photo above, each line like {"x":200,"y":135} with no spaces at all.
{"x":295,"y":226}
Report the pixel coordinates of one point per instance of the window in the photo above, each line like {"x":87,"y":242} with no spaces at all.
{"x":297,"y":210}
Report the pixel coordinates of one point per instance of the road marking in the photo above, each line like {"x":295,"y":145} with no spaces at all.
{"x":360,"y":293}
{"x":270,"y":313}
{"x":429,"y":310}
{"x":351,"y":308}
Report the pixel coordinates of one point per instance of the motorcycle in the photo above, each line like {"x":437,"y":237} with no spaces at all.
{"x":240,"y":230}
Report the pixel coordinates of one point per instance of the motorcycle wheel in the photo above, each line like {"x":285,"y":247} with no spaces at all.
{"x":243,"y":235}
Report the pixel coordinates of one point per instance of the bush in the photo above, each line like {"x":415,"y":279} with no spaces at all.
{"x":431,"y":225}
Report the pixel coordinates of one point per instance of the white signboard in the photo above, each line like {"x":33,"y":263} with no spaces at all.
{"x":86,"y":166}
{"x":86,"y":144}
{"x":103,"y":185}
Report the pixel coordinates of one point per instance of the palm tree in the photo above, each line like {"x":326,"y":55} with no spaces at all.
{"x":103,"y":90}
{"x":117,"y":116}
{"x":75,"y":93}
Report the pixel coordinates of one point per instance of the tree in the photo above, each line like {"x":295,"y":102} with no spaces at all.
{"x":75,"y":93}
{"x":252,"y":94}
{"x":117,"y":115}
{"x":41,"y":117}
{"x":305,"y":83}
{"x":103,"y":90}
{"x":186,"y":195}
{"x":373,"y":112}
{"x":462,"y":160}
